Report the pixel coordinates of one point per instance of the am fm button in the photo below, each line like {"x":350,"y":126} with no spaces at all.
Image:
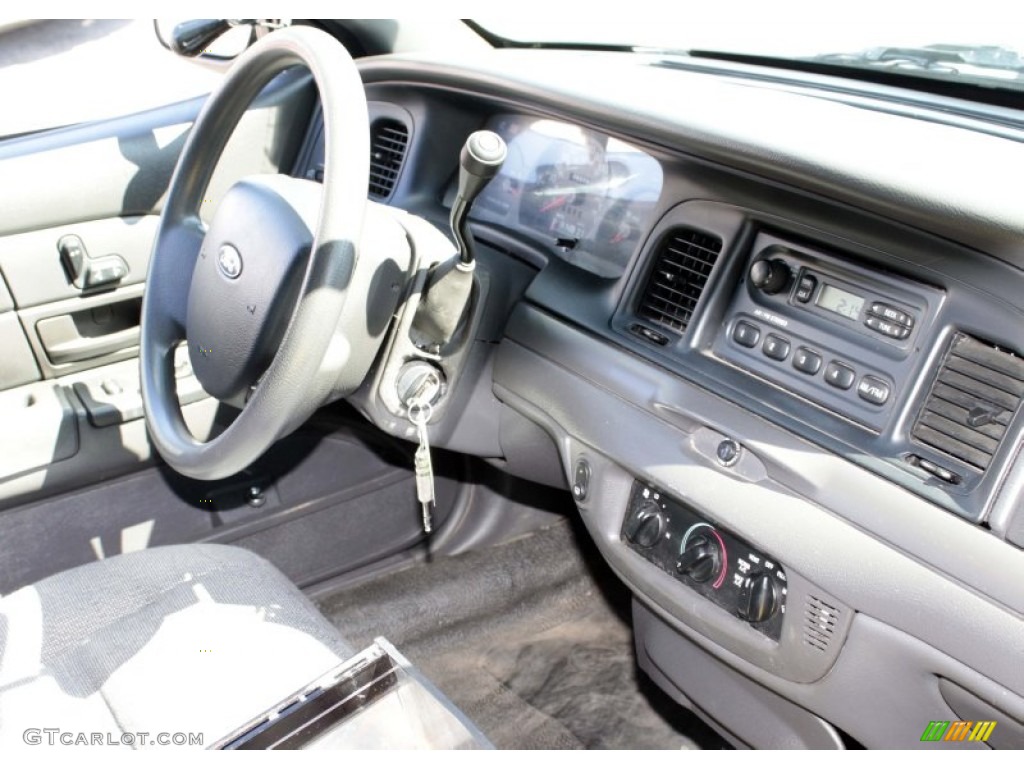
{"x":873,"y":390}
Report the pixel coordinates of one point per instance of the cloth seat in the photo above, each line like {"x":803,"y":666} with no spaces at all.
{"x":192,"y":639}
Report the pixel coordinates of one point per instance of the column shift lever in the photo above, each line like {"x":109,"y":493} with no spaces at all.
{"x":479,"y":162}
{"x":450,"y":283}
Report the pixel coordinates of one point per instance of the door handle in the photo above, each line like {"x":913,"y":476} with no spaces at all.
{"x":63,"y":343}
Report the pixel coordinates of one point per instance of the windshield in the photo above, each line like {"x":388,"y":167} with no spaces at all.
{"x":979,"y":44}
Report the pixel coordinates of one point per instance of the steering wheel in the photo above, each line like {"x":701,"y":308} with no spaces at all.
{"x":276,"y":299}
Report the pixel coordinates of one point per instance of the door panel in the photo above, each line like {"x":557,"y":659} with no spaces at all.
{"x":39,"y":428}
{"x":87,"y":332}
{"x":19,"y":365}
{"x":34,"y":270}
{"x":69,"y":384}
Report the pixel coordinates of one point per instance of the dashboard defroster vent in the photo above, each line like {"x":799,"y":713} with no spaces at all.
{"x":972,"y":402}
{"x":389,"y":140}
{"x":820,"y":620}
{"x":682,"y":265}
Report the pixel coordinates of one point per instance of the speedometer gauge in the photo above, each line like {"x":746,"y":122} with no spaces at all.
{"x":591,"y":195}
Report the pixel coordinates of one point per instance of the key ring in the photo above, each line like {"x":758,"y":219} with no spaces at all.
{"x":421,"y":413}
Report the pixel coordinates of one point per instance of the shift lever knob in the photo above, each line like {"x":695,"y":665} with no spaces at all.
{"x":479,"y":162}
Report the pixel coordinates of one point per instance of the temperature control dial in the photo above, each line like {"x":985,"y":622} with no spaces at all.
{"x":702,"y":555}
{"x":701,"y":559}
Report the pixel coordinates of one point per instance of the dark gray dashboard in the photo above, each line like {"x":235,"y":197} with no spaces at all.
{"x":880,"y":549}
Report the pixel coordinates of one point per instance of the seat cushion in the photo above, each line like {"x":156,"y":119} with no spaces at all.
{"x":193,"y":639}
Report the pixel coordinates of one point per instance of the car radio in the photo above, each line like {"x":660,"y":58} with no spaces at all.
{"x":826,"y":328}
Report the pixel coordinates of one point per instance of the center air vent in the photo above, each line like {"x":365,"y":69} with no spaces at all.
{"x":388,"y":142}
{"x":682,"y":265}
{"x":975,"y":395}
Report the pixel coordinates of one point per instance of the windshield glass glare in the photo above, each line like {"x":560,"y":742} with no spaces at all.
{"x":981,"y":41}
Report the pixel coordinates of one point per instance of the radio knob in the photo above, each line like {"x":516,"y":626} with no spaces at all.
{"x":770,"y":275}
{"x":758,"y":599}
{"x":700,"y":560}
{"x":647,"y":525}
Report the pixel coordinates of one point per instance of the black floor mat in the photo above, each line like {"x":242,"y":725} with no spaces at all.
{"x":531,"y":639}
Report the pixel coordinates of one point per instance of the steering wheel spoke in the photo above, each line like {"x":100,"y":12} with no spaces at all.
{"x":166,"y":308}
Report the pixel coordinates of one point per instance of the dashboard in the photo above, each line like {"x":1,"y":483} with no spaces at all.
{"x":778,"y":363}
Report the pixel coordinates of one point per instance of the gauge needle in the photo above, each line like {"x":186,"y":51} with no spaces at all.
{"x":555,"y":203}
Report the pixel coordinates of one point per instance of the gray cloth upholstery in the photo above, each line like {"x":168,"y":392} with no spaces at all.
{"x":190,"y":639}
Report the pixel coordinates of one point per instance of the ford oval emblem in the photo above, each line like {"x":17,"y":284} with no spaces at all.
{"x":230,"y":261}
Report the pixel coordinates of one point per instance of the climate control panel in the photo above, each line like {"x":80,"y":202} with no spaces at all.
{"x":713,"y":562}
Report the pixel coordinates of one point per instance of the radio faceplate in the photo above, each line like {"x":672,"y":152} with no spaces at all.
{"x":826,"y":329}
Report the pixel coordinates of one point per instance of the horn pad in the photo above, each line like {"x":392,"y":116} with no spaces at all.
{"x":246,"y":281}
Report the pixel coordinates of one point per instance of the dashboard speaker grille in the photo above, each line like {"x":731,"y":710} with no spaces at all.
{"x":972,"y":402}
{"x":388,"y":141}
{"x":684,"y":260}
{"x":820,"y":619}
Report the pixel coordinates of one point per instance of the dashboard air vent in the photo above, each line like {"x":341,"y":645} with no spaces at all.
{"x":682,"y":265}
{"x":388,"y":141}
{"x":973,"y":399}
{"x":820,"y":621}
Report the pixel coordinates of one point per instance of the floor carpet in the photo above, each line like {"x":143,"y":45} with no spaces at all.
{"x":531,"y":639}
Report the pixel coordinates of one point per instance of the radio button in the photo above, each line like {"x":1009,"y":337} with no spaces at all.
{"x":746,"y":334}
{"x":805,"y":288}
{"x":890,"y":313}
{"x":873,"y":390}
{"x":807,"y":361}
{"x":775,"y":347}
{"x":839,"y":375}
{"x":886,"y":328}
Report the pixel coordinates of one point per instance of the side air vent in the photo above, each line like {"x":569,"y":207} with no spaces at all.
{"x":682,"y":265}
{"x":388,"y":141}
{"x":820,"y":620}
{"x":972,"y":402}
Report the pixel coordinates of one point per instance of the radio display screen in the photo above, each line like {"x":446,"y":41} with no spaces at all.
{"x":841,"y":302}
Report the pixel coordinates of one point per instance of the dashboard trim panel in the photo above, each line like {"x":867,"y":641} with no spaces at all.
{"x":880,"y":535}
